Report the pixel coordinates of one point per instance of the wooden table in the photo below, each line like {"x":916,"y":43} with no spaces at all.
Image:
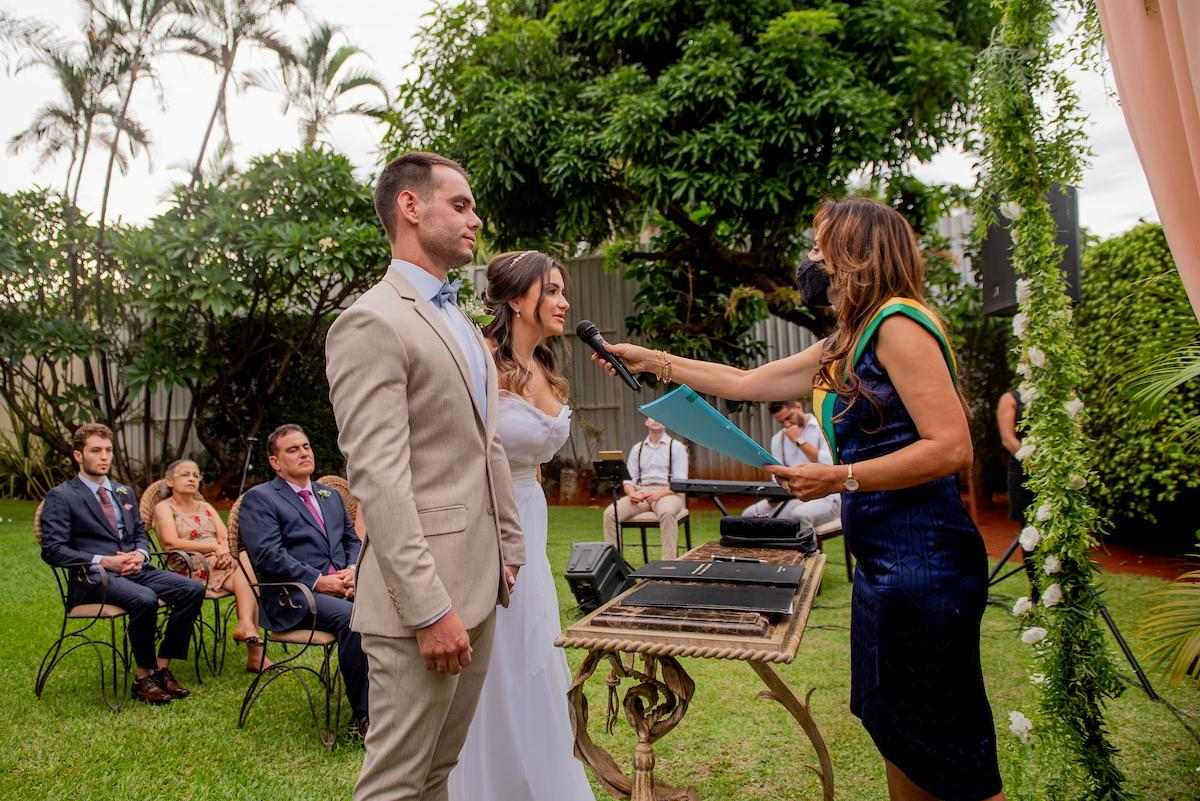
{"x":663,"y":690}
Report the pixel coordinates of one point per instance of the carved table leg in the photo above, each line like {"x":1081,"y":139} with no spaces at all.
{"x":653,"y":707}
{"x":778,"y":691}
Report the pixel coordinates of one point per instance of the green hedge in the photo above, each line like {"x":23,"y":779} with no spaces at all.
{"x":1134,"y":312}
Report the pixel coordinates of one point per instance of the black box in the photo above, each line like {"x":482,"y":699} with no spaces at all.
{"x":596,"y":574}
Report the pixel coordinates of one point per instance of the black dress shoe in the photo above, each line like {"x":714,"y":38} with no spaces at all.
{"x":359,"y":726}
{"x":147,"y":691}
{"x":165,"y":680}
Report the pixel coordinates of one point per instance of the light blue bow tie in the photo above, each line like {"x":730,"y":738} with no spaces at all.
{"x":447,"y":293}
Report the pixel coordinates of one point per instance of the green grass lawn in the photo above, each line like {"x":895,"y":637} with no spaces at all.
{"x":731,"y":745}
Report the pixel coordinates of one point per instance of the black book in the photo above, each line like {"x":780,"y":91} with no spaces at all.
{"x":738,"y":598}
{"x":721,"y":572}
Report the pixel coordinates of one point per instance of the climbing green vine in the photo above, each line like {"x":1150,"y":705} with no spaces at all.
{"x":1031,"y":139}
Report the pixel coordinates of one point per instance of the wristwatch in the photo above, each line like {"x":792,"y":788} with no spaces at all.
{"x":851,"y":483}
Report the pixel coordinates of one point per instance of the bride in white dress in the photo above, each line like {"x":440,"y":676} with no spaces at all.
{"x":519,"y":747}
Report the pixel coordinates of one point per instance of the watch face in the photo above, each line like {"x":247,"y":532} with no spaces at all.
{"x":851,"y":485}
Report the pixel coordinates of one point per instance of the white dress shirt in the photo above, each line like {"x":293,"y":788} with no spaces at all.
{"x":790,"y":454}
{"x":463,"y":329}
{"x":654,"y":460}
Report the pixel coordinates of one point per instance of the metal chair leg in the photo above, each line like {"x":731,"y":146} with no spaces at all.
{"x":645,"y":552}
{"x":687,"y":531}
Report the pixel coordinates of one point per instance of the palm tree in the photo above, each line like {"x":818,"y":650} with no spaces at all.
{"x":18,"y":34}
{"x":317,"y":87}
{"x":221,"y":29}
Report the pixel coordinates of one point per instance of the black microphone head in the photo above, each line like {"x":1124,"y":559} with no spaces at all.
{"x":587,"y":330}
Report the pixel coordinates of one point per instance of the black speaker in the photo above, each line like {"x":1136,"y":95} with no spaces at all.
{"x":999,"y":280}
{"x":596,"y":574}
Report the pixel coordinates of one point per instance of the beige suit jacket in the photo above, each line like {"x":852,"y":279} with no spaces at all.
{"x":432,"y":478}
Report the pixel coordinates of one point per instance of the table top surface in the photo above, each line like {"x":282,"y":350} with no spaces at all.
{"x":778,"y":644}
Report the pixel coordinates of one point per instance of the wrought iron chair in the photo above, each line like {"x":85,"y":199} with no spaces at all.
{"x":829,"y":530}
{"x":77,"y":621}
{"x":327,"y":675}
{"x":194,"y":565}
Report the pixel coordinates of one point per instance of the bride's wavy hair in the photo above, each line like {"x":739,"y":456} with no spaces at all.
{"x":509,"y":277}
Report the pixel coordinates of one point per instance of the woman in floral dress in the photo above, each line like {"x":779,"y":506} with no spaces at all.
{"x":184,"y":521}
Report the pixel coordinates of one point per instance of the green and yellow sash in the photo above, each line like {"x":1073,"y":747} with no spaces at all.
{"x":824,"y":399}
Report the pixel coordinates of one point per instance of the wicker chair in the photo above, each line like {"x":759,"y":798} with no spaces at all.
{"x":77,"y":623}
{"x":215,"y":628}
{"x":348,"y":500}
{"x":327,"y":675}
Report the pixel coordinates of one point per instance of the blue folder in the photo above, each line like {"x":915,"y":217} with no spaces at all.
{"x":687,"y":414}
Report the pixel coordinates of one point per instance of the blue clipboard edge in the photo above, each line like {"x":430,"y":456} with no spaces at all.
{"x":692,"y":396}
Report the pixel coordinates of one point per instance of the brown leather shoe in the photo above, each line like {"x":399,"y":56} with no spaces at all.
{"x":165,"y":680}
{"x":147,"y":691}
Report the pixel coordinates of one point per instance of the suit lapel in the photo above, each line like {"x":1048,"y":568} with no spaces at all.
{"x":93,"y":505}
{"x":289,"y":496}
{"x":327,"y":513}
{"x":433,"y":317}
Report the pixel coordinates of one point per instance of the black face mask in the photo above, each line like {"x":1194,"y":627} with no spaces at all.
{"x":813,"y":283}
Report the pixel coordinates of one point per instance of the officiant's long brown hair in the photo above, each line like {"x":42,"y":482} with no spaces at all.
{"x":874,"y":256}
{"x":509,"y":277}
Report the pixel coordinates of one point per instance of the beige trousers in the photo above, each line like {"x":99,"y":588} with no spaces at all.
{"x":419,"y":718}
{"x":666,"y":508}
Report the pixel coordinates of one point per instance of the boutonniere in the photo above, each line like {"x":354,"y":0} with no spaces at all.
{"x":322,"y":493}
{"x":473,"y":307}
{"x":122,"y":491}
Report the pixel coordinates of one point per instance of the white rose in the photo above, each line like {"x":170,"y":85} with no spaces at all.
{"x":1022,"y":606}
{"x":1011,"y":210}
{"x":1043,"y":513}
{"x":1053,"y":595}
{"x":1019,"y":323}
{"x":1021,"y":726}
{"x":1074,"y":406}
{"x":1024,"y":452}
{"x":1037,"y":357}
{"x":1038,"y":678}
{"x":1076,"y":482}
{"x":1033,"y":635}
{"x":1030,"y":537}
{"x":1052,"y":565}
{"x":1023,"y":292}
{"x":1024,"y":370}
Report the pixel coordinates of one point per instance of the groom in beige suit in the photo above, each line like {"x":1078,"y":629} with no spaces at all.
{"x":414,"y":392}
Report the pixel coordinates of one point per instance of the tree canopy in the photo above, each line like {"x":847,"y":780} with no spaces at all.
{"x":695,"y":137}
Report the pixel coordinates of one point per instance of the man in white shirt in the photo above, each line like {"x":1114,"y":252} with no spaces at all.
{"x":799,"y":442}
{"x":653,"y":464}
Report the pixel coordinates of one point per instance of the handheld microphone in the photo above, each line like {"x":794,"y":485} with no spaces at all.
{"x":590,"y":335}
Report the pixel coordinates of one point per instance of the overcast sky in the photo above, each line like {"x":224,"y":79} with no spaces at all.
{"x":1113,"y":197}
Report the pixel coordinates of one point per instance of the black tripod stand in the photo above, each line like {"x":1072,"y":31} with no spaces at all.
{"x":615,"y":472}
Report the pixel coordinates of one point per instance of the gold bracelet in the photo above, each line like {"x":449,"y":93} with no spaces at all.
{"x":664,"y":372}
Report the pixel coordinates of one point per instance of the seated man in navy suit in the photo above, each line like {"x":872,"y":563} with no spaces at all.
{"x":295,"y":530}
{"x":93,"y":521}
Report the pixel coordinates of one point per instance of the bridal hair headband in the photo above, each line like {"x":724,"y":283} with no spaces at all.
{"x":524,"y":253}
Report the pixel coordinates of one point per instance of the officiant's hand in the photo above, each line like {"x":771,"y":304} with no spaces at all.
{"x":809,"y":481}
{"x":510,"y":576}
{"x":444,"y":645}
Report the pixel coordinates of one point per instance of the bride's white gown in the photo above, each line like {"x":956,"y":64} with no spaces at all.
{"x":519,"y":747}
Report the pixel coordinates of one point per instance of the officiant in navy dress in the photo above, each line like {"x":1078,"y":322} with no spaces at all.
{"x":883,"y":386}
{"x":298,"y":530}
